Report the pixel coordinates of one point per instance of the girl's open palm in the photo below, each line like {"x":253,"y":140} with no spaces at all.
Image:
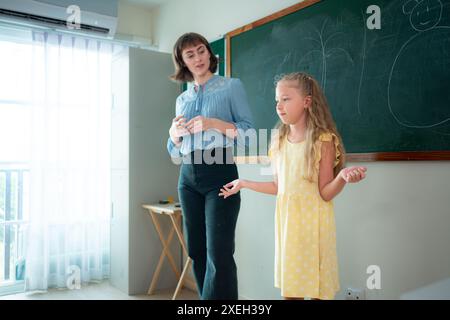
{"x":353,"y":174}
{"x":231,"y":188}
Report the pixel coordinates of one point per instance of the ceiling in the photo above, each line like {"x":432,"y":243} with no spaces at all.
{"x":147,"y":3}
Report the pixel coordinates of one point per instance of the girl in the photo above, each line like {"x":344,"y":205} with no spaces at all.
{"x":210,"y":118}
{"x":307,"y":156}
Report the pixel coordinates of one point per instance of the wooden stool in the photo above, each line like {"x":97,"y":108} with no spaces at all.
{"x":175,"y":216}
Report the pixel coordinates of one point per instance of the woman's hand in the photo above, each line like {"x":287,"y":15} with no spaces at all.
{"x":353,"y":174}
{"x":231,"y":188}
{"x":178,"y":129}
{"x":199,"y":124}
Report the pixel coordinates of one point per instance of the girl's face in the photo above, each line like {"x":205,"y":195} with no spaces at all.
{"x":197,"y":60}
{"x":291,"y":102}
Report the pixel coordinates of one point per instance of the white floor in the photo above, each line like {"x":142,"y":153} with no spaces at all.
{"x":101,"y":291}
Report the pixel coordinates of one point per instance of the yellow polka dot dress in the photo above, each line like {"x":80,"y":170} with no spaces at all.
{"x":305,"y":233}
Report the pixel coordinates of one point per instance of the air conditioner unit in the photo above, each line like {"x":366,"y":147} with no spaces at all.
{"x":96,"y":17}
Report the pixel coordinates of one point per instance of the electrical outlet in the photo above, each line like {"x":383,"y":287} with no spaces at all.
{"x":354,"y":294}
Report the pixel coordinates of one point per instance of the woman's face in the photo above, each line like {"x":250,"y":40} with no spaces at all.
{"x":197,"y":59}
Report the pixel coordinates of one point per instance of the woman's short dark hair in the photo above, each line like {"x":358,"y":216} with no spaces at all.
{"x":182,"y":73}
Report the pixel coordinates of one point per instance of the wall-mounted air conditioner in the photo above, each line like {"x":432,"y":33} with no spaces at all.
{"x":96,"y":17}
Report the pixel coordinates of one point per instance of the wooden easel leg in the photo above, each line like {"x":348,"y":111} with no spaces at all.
{"x":181,"y":281}
{"x":159,"y":265}
{"x":180,"y":235}
{"x":165,"y":252}
{"x":176,"y":225}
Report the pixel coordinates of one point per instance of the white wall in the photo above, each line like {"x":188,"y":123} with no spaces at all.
{"x":211,"y":18}
{"x":134,"y":22}
{"x":398,"y":218}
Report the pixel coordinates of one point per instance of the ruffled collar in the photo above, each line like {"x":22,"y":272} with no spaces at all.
{"x":204,"y":87}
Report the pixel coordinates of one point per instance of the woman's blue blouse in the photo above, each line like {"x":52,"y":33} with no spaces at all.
{"x":221,"y":98}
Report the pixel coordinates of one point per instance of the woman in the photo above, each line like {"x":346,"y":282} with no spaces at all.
{"x":211,"y":117}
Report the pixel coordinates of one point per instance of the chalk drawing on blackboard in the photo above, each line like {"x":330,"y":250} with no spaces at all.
{"x":287,"y":62}
{"x":424,"y":17}
{"x":363,"y":58}
{"x":297,"y":60}
{"x":324,"y":51}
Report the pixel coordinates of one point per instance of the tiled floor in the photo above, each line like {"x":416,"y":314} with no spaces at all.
{"x":102,"y":291}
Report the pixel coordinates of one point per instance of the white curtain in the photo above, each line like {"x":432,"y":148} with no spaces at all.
{"x":70,"y":161}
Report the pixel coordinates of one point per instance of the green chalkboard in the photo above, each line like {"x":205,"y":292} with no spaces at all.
{"x":388,"y":88}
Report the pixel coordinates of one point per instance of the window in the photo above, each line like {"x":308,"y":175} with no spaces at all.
{"x":55,"y":127}
{"x":15,"y":104}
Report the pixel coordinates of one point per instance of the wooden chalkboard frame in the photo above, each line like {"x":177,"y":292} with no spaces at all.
{"x":354,"y":157}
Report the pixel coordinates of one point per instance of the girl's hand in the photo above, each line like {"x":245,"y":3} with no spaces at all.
{"x":353,"y":174}
{"x":231,"y":188}
{"x":178,"y":128}
{"x":199,"y":124}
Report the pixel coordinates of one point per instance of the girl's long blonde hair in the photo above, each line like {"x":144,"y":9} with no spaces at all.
{"x":319,"y":120}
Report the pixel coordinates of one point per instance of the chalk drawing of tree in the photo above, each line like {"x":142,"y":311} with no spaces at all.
{"x":324,"y":51}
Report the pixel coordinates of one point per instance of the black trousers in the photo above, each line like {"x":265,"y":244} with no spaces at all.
{"x":209,"y":222}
